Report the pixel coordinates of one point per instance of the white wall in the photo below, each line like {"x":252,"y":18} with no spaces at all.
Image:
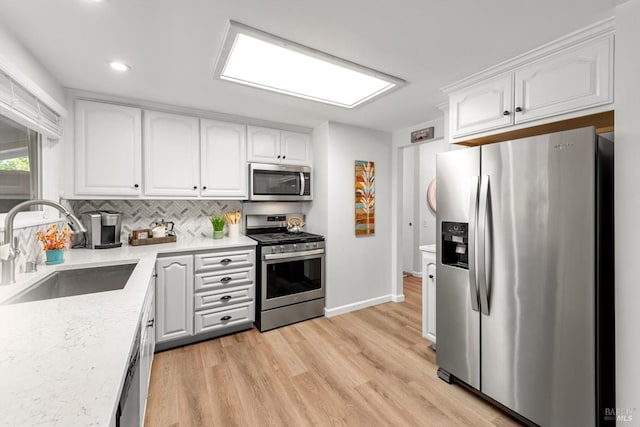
{"x":358,"y":269}
{"x":627,"y":206}
{"x":22,"y":64}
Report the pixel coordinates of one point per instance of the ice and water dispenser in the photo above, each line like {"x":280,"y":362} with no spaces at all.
{"x":455,"y":244}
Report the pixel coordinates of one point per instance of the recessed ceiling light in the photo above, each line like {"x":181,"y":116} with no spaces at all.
{"x":119,"y":66}
{"x":262,"y":60}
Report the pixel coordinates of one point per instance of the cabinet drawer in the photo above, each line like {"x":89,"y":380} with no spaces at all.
{"x":220,"y":318}
{"x":222,"y":279}
{"x":223,"y":260}
{"x":225,"y":298}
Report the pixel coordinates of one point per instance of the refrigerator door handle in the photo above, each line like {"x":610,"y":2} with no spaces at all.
{"x":473,"y":215}
{"x":482,"y":241}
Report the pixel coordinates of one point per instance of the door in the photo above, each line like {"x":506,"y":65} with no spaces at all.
{"x":457,"y":316}
{"x":174,"y":297}
{"x":264,"y":145}
{"x":292,"y":278}
{"x":108,"y":149}
{"x":295,"y":148}
{"x":538,"y":327}
{"x":485,"y":106}
{"x":171,"y":153}
{"x":224,"y":159}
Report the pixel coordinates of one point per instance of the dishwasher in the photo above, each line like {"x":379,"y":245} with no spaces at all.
{"x":128,"y":413}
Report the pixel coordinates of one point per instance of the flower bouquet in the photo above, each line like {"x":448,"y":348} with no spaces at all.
{"x":54,"y":241}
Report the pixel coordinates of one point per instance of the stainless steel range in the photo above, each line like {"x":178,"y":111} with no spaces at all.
{"x":290,"y":280}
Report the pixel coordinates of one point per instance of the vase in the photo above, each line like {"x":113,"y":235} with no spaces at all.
{"x":55,"y":256}
{"x":218,"y":234}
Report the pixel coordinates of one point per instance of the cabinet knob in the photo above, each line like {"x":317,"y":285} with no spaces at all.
{"x":431,"y":276}
{"x":506,"y":113}
{"x":518,"y":110}
{"x":225,"y":318}
{"x":284,"y":157}
{"x":195,"y":187}
{"x":225,"y":298}
{"x":204,"y":187}
{"x":278,"y":155}
{"x":135,"y":186}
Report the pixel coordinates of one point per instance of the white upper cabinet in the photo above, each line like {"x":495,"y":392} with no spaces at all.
{"x":485,"y":106}
{"x":223,"y":159}
{"x":266,"y":145}
{"x":565,"y":79}
{"x":568,"y":81}
{"x":108,"y":142}
{"x":296,"y":148}
{"x":172,"y":154}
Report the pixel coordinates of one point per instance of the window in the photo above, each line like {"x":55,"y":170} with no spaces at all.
{"x":19,"y":164}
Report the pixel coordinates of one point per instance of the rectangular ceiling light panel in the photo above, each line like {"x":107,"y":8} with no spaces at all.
{"x":258,"y":59}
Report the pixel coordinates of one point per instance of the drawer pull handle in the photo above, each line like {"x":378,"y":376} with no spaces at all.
{"x":225,"y":261}
{"x":225,"y":298}
{"x":225,"y":318}
{"x":226,"y":279}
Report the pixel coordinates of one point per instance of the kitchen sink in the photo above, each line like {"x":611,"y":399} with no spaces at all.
{"x":79,"y":281}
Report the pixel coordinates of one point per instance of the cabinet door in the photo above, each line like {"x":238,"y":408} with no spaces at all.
{"x":296,"y":148}
{"x":108,"y":142}
{"x":574,"y":79}
{"x":479,"y":108}
{"x":174,"y":297}
{"x":171,"y":154}
{"x":264,"y":145}
{"x":223,"y":159}
{"x":147,"y":346}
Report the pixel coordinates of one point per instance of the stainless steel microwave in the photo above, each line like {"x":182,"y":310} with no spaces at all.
{"x":279,"y":182}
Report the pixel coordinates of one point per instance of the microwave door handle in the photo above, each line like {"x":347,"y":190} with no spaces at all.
{"x":302,"y":183}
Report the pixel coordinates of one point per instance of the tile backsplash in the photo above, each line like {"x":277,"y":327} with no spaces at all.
{"x":30,"y":248}
{"x":191,"y":217}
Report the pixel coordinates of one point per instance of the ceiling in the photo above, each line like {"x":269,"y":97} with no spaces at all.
{"x":172,"y":46}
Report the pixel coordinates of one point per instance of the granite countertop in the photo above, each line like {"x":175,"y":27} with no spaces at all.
{"x":63,"y":361}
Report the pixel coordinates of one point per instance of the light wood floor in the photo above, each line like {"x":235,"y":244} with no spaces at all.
{"x":365,"y":368}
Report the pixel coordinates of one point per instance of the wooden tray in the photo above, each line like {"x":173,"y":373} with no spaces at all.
{"x":152,"y":241}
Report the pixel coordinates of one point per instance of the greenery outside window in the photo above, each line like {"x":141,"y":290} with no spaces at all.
{"x":19,"y":164}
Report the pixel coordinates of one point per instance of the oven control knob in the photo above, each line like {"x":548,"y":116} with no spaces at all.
{"x":295,"y":247}
{"x":281,"y":248}
{"x":308,"y":245}
{"x":315,"y":245}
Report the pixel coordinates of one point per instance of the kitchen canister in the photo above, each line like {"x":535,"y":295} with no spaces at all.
{"x":233,"y":231}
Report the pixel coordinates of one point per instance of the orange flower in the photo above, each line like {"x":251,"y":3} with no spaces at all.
{"x":53,"y":238}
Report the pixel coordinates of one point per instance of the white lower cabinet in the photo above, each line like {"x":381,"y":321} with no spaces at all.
{"x":204,"y":295}
{"x":429,"y":292}
{"x":147,"y":346}
{"x":174,"y":289}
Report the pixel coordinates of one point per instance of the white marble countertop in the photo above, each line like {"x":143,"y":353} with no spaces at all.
{"x":63,"y":361}
{"x":428,"y":248}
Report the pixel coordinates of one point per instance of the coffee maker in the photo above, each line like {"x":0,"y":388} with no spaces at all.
{"x":103,"y":229}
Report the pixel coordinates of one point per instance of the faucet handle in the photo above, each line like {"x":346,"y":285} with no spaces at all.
{"x":16,"y":247}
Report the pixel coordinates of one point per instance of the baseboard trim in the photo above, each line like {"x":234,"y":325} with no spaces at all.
{"x":330,"y":312}
{"x":397,"y":298}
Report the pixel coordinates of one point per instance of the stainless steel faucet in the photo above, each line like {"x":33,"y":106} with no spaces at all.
{"x":9,"y":264}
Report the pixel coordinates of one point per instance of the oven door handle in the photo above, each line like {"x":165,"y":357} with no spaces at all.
{"x":268,"y":257}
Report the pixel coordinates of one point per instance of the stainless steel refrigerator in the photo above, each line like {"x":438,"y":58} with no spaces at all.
{"x":525,"y":276}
